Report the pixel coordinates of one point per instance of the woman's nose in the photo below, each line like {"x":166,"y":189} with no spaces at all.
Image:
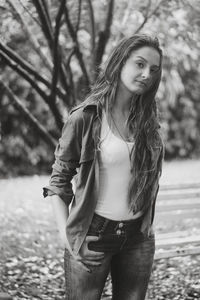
{"x":146,"y":73}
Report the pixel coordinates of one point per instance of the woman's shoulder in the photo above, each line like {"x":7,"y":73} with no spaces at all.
{"x":76,"y":112}
{"x":86,"y":109}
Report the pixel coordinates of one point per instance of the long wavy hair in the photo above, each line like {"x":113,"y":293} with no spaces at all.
{"x":142,"y":123}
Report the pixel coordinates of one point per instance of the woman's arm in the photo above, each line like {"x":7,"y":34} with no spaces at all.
{"x":67,"y":156}
{"x":61,"y":212}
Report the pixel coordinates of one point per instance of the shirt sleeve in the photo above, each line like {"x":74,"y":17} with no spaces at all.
{"x":67,"y":156}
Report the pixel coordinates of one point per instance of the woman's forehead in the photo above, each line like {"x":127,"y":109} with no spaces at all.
{"x":146,"y":53}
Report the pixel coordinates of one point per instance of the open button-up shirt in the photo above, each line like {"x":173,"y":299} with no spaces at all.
{"x":77,"y":153}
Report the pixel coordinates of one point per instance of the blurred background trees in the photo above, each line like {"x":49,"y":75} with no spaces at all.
{"x":50,"y":53}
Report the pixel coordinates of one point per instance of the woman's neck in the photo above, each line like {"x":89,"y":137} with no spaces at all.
{"x":123,"y":100}
{"x":120,"y":111}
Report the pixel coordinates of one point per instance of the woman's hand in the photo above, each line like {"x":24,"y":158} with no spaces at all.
{"x":87,"y":257}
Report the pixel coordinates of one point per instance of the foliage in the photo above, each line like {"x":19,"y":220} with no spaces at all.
{"x":50,"y":53}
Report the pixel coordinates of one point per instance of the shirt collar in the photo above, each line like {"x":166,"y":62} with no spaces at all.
{"x":91,"y":103}
{"x":87,"y":105}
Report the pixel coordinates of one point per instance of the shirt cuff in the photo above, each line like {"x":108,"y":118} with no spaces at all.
{"x":53,"y":190}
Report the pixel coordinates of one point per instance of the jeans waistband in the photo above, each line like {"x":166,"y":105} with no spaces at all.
{"x":107,"y":224}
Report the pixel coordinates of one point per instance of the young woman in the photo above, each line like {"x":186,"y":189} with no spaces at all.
{"x":112,"y":142}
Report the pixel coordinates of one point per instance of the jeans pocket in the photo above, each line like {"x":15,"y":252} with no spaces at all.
{"x":107,"y":243}
{"x":96,"y":226}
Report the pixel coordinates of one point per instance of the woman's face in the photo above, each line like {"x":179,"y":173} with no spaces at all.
{"x":139,"y":71}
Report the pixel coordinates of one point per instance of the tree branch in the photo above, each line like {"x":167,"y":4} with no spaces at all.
{"x":67,"y":65}
{"x":46,"y":26}
{"x":92,"y":39}
{"x":91,"y":12}
{"x":148,"y":15}
{"x":32,"y":82}
{"x":56,"y":54}
{"x":78,"y":53}
{"x":25,"y":75}
{"x":31,"y":37}
{"x":104,"y":36}
{"x":30,"y":14}
{"x":46,"y":10}
{"x":32,"y":120}
{"x":79,"y":15}
{"x":28,"y":68}
{"x":48,"y":33}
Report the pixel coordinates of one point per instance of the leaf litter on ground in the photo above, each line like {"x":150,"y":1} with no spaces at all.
{"x":31,"y":260}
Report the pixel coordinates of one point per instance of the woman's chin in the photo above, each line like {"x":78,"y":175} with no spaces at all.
{"x":139,"y":91}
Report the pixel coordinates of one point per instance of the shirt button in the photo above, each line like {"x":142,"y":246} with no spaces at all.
{"x":120,"y":225}
{"x":118,"y":232}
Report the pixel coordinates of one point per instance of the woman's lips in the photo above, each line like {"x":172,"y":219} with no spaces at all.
{"x":141,"y":83}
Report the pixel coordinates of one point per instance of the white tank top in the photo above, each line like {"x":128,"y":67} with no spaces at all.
{"x":114,"y":175}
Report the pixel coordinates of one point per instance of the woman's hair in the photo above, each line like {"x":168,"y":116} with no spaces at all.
{"x":142,"y":123}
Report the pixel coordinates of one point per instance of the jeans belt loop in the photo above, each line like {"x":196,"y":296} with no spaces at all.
{"x":105,"y":222}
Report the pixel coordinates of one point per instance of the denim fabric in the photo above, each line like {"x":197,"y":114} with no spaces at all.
{"x":77,"y":148}
{"x":128,"y":257}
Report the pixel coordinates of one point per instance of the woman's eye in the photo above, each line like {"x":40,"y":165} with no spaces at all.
{"x":140,"y":65}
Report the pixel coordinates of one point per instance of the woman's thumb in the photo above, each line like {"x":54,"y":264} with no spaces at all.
{"x":92,"y":238}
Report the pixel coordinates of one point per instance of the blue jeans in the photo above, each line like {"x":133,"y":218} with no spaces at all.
{"x":128,"y":257}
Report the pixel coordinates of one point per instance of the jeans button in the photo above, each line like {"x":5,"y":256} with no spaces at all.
{"x":118,"y":232}
{"x":121,"y":225}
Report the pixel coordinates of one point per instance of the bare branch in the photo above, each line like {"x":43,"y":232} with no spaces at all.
{"x":30,"y":35}
{"x":92,"y":39}
{"x":32,"y":82}
{"x":78,"y":53}
{"x":46,"y":10}
{"x":67,"y":65}
{"x":57,"y":56}
{"x":104,"y":35}
{"x":46,"y":27}
{"x":73,"y":98}
{"x":29,"y":13}
{"x":25,"y":75}
{"x":29,"y":68}
{"x":148,"y":15}
{"x":48,"y":32}
{"x":69,"y":57}
{"x":92,"y":27}
{"x":43,"y":133}
{"x":79,"y":15}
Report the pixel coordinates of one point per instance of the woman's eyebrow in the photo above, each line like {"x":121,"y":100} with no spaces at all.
{"x":147,"y":61}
